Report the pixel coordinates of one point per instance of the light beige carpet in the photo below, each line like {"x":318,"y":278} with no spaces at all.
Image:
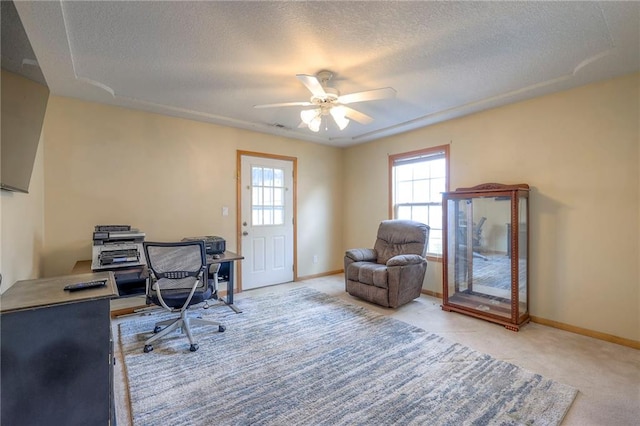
{"x":326,"y":362}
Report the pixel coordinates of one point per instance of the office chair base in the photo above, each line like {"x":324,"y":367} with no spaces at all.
{"x":183,"y":323}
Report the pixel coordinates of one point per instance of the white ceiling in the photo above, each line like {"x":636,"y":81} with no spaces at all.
{"x":213,"y":61}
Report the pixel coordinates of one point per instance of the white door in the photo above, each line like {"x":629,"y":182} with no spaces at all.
{"x":266,"y":221}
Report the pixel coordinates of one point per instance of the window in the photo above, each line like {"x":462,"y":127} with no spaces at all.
{"x":417,"y":181}
{"x":267,"y":192}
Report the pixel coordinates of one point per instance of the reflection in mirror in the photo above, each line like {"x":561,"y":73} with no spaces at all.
{"x":491,"y":264}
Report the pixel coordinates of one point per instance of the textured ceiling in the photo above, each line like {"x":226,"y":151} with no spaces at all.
{"x":213,"y":61}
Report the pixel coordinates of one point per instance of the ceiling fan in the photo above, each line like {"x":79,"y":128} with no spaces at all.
{"x":327,"y":101}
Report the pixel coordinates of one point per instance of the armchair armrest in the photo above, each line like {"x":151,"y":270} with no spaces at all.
{"x":405,"y":259}
{"x":362,"y":255}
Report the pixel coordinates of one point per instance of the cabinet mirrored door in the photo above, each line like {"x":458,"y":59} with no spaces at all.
{"x":486,"y":256}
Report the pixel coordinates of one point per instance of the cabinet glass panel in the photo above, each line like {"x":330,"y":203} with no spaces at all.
{"x":486,"y":253}
{"x":479,"y":265}
{"x":523,"y":244}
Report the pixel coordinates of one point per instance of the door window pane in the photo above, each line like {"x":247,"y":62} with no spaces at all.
{"x":278,"y":178}
{"x":267,"y":196}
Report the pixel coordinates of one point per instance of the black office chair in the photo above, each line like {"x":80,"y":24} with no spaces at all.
{"x":177,"y":279}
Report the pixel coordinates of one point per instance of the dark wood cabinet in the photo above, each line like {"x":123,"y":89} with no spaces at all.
{"x":56,"y":356}
{"x":485,"y":263}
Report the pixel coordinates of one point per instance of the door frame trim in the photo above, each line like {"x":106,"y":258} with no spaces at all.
{"x":294,"y":161}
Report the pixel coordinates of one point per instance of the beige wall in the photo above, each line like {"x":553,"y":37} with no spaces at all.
{"x":170,"y":178}
{"x":578,"y":150}
{"x":22,"y":228}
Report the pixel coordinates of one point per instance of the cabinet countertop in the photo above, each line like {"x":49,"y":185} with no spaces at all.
{"x":29,"y":294}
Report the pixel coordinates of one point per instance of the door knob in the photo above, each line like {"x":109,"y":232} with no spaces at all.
{"x":245,"y":233}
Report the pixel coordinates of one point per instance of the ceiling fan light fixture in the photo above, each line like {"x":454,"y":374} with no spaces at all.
{"x":308,"y":115}
{"x":327,"y":100}
{"x":314,"y":125}
{"x":338,"y":114}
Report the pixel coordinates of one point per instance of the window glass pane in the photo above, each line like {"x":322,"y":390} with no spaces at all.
{"x":404,"y":172}
{"x":278,"y":177}
{"x":268,"y":177}
{"x":418,"y":181}
{"x":420,"y":170}
{"x":404,"y":192}
{"x":435,"y":217}
{"x":256,"y":216}
{"x":420,"y":191}
{"x":267,"y":191}
{"x":435,"y":241}
{"x":438,"y":168}
{"x":268,"y":196}
{"x":420,"y":214}
{"x":404,"y":212}
{"x":437,"y":188}
{"x":256,"y":176}
{"x":278,"y":197}
{"x":267,"y":216}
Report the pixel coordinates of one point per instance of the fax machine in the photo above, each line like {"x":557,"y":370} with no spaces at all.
{"x":117,"y":246}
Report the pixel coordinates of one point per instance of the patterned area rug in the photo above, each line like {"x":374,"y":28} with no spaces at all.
{"x":305,"y":358}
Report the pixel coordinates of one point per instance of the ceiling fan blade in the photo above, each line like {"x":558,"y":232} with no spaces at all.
{"x":311,"y":82}
{"x":369,"y":95}
{"x":357,"y":115}
{"x":284,"y":104}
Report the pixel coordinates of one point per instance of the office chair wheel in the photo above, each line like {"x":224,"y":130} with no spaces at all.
{"x":193,"y":347}
{"x":157,"y":329}
{"x":148,"y":348}
{"x":221,"y":328}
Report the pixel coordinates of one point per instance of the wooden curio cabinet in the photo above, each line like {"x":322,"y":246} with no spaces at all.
{"x":486,"y":256}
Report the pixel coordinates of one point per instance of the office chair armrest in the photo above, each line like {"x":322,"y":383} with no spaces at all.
{"x":362,"y":255}
{"x":148,"y":290}
{"x":405,"y":259}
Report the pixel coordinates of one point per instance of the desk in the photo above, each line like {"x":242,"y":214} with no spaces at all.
{"x":130,"y":281}
{"x":56,"y":357}
{"x":227,"y":258}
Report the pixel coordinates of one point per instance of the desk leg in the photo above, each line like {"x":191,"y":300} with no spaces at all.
{"x":228,"y":300}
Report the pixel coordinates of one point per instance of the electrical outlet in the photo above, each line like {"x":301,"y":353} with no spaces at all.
{"x":225,"y":211}
{"x":315,"y":258}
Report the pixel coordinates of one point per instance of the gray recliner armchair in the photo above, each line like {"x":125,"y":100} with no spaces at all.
{"x":390,"y":274}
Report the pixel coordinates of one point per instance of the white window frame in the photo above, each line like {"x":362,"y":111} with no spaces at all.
{"x":427,"y":154}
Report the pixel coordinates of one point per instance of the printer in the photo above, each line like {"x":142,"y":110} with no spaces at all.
{"x":213,"y":244}
{"x":117,"y":246}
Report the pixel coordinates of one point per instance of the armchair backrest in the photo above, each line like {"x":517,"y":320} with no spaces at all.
{"x":401,"y":237}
